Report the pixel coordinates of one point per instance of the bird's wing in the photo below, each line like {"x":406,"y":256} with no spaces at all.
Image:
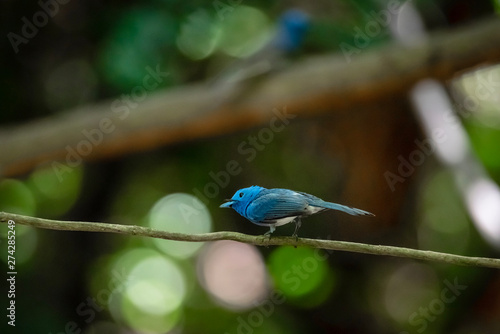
{"x":310,"y":197}
{"x":274,"y":204}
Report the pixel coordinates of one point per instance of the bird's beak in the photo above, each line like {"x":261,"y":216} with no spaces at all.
{"x":227,"y":204}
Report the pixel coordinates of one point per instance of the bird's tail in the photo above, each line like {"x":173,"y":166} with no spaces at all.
{"x":346,"y":209}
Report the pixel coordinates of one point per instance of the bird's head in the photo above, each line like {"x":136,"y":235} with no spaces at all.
{"x":241,"y":198}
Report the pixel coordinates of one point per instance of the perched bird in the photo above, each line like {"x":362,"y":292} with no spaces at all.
{"x":276,"y":207}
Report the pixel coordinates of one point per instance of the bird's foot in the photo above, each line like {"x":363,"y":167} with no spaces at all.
{"x":272,"y":228}
{"x":267,"y":237}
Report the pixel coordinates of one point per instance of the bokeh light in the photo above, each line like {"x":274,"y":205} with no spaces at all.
{"x":438,"y":117}
{"x":483,"y":201}
{"x":152,"y":292}
{"x":181,"y":213}
{"x":157,"y":286}
{"x":301,"y":274}
{"x":234,"y":274}
{"x":198,"y":36}
{"x":54,"y":194}
{"x":16,"y":197}
{"x":244,"y":31}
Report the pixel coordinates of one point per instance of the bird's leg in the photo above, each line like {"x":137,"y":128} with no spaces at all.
{"x":272,"y":228}
{"x":298,"y":223}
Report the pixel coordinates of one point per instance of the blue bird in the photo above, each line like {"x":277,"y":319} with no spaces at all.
{"x":276,"y":207}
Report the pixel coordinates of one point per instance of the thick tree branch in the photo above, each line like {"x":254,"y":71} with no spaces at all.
{"x":254,"y":240}
{"x":316,"y":85}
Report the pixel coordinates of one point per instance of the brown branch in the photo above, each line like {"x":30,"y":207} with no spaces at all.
{"x":313,"y":86}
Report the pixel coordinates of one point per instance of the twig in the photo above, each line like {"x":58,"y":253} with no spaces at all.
{"x":254,"y":240}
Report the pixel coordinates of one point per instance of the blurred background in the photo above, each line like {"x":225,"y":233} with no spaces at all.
{"x":129,"y":112}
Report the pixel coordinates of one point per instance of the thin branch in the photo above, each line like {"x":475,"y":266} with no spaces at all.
{"x":254,"y":240}
{"x":331,"y":83}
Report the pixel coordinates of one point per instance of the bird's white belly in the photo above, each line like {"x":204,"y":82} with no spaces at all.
{"x":283,"y":221}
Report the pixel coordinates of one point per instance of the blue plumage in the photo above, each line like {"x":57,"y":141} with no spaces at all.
{"x":293,"y":25}
{"x":276,"y":207}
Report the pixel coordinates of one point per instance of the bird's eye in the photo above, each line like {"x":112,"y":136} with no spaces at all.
{"x":241,"y":194}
